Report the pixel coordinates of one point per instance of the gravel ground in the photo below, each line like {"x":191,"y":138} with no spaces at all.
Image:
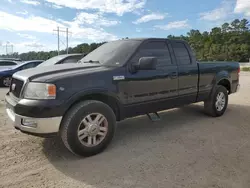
{"x":185,"y":149}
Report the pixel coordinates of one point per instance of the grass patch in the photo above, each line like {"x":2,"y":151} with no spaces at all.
{"x":245,"y":69}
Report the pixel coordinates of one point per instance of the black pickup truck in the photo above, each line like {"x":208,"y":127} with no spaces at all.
{"x":125,"y":78}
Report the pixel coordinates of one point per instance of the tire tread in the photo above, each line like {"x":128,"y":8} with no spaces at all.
{"x":209,"y":104}
{"x":65,"y":125}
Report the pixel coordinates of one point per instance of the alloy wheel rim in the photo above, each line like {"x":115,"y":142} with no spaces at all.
{"x":220,"y":101}
{"x":92,"y":129}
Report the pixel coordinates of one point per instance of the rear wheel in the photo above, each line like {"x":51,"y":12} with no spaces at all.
{"x":88,"y":128}
{"x":217,"y":103}
{"x":6,"y":81}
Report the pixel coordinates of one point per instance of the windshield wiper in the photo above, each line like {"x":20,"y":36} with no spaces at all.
{"x":91,"y":61}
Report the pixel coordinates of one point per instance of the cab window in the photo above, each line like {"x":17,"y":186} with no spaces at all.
{"x":158,"y":49}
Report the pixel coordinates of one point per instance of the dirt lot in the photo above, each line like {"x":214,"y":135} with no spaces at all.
{"x":185,"y":149}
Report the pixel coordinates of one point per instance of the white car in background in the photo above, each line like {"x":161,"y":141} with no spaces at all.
{"x":5,"y":64}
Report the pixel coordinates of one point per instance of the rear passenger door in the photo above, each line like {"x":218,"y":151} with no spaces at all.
{"x":188,"y":72}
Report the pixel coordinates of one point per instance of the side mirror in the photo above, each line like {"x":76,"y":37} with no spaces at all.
{"x":146,"y":63}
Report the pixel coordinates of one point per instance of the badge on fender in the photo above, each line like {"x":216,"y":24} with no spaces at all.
{"x":118,"y":77}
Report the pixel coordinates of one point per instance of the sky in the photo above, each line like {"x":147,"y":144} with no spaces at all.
{"x":29,"y":25}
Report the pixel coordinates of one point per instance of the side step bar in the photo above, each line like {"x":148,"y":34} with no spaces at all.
{"x":154,"y":116}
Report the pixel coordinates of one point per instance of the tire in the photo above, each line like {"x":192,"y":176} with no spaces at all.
{"x":210,"y":105}
{"x":4,"y":81}
{"x":71,"y":124}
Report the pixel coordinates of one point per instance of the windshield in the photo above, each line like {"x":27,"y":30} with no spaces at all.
{"x":114,"y":53}
{"x":52,"y":60}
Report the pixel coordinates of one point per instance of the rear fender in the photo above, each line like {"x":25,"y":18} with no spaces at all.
{"x":221,"y":76}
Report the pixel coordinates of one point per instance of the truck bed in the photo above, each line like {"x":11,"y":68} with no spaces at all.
{"x":211,"y":72}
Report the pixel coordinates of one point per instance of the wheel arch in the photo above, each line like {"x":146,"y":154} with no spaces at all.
{"x":100,"y":95}
{"x":226,"y":83}
{"x":223,"y":78}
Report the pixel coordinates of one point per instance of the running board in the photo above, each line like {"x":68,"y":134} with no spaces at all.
{"x":154,"y":116}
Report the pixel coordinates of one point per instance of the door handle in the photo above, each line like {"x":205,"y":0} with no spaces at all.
{"x":173,"y":75}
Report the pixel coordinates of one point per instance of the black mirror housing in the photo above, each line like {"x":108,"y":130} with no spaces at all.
{"x":146,"y":63}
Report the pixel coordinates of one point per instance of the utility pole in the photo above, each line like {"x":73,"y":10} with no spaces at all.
{"x":8,"y":45}
{"x":67,"y":40}
{"x":58,"y":40}
{"x":58,"y":30}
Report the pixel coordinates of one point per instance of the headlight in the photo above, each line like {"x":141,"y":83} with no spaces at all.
{"x":40,"y":91}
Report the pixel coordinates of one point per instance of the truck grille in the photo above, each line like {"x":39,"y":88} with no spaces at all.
{"x":18,"y":87}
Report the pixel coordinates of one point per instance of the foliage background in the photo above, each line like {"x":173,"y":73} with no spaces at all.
{"x":230,"y":42}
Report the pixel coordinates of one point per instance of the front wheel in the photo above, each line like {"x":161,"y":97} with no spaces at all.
{"x":217,"y":103}
{"x":88,"y":128}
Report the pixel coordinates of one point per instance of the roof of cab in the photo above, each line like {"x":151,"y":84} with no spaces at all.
{"x":153,"y":38}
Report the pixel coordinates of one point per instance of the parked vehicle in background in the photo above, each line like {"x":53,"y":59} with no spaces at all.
{"x":6,"y":74}
{"x":62,"y":59}
{"x":82,"y":102}
{"x":8,"y":64}
{"x":10,"y":59}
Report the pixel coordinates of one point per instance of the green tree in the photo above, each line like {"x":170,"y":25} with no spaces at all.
{"x":229,"y":42}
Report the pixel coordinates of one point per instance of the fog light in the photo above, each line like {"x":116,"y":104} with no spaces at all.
{"x":29,"y":122}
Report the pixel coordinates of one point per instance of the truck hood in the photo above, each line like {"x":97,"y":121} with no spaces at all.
{"x":51,"y":71}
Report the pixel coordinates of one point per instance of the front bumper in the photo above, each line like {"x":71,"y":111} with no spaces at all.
{"x":35,"y":126}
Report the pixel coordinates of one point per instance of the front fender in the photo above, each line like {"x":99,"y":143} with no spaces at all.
{"x":91,"y":91}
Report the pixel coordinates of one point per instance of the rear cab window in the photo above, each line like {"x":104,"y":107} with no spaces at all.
{"x":181,"y":53}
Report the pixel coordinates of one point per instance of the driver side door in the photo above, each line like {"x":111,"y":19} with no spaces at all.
{"x":149,"y":90}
